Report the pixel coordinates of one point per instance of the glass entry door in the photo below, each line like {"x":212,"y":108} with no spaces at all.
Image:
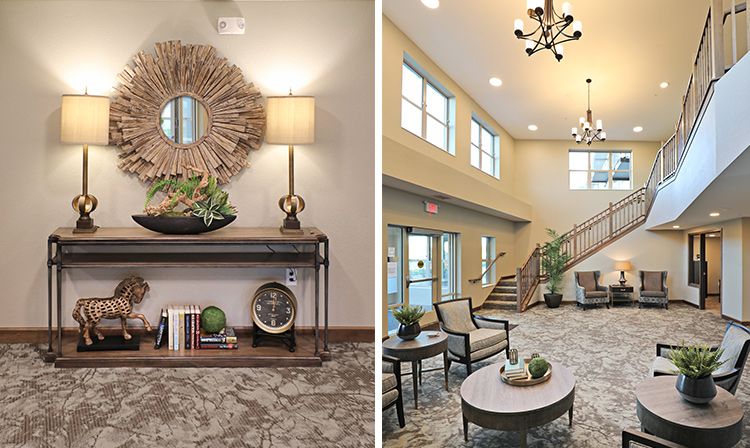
{"x":422,"y":279}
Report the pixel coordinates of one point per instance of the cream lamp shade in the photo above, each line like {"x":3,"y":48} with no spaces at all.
{"x":290,"y":120}
{"x":85,"y":119}
{"x":622,"y":265}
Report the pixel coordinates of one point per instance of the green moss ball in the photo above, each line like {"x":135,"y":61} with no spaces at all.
{"x":213,"y":319}
{"x":538,"y":367}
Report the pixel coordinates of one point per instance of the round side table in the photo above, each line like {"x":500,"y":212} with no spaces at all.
{"x":422,"y":347}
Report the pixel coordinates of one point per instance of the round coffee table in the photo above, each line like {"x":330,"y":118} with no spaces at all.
{"x":489,"y":402}
{"x":664,"y":413}
{"x":422,"y":347}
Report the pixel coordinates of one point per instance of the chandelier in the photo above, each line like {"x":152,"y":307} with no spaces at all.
{"x":589,"y":132}
{"x":549,"y":34}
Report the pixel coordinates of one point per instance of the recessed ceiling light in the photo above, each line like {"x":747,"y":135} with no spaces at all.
{"x":714,"y":214}
{"x":497,"y":82}
{"x":712,"y":235}
{"x":638,"y":129}
{"x":432,"y":4}
{"x":533,"y":127}
{"x":675,"y":227}
{"x":664,"y":85}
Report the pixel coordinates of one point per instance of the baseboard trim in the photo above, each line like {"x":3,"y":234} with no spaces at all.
{"x":37,"y":335}
{"x":737,"y":321}
{"x":694,"y":305}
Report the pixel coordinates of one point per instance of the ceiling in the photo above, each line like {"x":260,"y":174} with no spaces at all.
{"x":627,"y":48}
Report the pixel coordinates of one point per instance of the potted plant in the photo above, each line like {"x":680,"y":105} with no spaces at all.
{"x":553,"y":264}
{"x":695,"y":365}
{"x":207,"y":207}
{"x":408,"y":317}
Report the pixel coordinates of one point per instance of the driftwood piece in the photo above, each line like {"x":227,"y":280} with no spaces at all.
{"x":177,"y":197}
{"x":236,"y":119}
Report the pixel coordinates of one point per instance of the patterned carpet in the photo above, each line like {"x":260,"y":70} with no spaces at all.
{"x":41,"y":406}
{"x":608,"y":350}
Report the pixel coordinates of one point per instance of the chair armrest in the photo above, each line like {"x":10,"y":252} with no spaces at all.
{"x":602,"y":288}
{"x":726,"y":376}
{"x":396,"y":365}
{"x":489,"y":322}
{"x":453,"y":333}
{"x":664,"y":349}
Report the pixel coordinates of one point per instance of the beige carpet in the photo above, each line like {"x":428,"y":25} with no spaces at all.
{"x":331,"y":406}
{"x":608,"y":350}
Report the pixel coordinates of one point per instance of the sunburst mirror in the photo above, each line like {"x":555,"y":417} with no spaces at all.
{"x":184,"y":106}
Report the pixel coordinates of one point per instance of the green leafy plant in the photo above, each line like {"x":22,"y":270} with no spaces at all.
{"x":553,"y":260}
{"x":209,"y":210}
{"x":408,"y":315}
{"x":695,"y":361}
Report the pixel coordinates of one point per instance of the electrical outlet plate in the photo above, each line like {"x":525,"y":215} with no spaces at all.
{"x":291,"y":277}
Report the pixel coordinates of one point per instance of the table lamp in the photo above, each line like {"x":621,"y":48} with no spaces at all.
{"x":85,"y":120}
{"x":291,"y":121}
{"x":622,"y":266}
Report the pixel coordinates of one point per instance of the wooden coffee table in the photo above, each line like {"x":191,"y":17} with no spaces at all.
{"x":489,"y":402}
{"x":663,"y":413}
{"x":422,"y":347}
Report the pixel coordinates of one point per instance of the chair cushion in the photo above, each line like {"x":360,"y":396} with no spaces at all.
{"x":662,"y":365}
{"x":653,"y":293}
{"x":389,"y":382}
{"x":587,"y":280}
{"x":595,"y":294}
{"x":389,"y":397}
{"x":652,"y":281}
{"x":734,"y":339}
{"x":478,"y":340}
{"x":457,"y":316}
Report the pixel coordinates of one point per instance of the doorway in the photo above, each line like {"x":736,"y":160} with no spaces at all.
{"x":704,"y":268}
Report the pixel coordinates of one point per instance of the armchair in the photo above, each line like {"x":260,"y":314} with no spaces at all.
{"x":471,"y":338}
{"x":632,"y":438}
{"x":736,"y":345}
{"x":392,"y":387}
{"x":653,"y":289}
{"x":588,"y":289}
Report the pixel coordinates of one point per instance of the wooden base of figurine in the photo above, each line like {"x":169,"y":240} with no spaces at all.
{"x":286,"y":337}
{"x":110,"y":343}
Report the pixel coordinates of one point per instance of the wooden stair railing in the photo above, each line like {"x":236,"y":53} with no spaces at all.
{"x":528,"y":277}
{"x":474,"y":280}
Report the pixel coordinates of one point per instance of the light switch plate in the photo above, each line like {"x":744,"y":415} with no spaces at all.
{"x":291,"y":277}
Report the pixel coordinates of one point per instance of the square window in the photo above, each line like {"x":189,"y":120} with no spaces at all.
{"x":600,"y":170}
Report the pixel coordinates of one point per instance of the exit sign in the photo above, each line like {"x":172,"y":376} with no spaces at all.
{"x":430,"y":207}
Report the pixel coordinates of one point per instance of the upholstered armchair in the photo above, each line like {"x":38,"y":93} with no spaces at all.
{"x":470,"y":338}
{"x":632,"y":438}
{"x":736,"y":345}
{"x":392,"y":387}
{"x":588,"y":289}
{"x":653,"y":289}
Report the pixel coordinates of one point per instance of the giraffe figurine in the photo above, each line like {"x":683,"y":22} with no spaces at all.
{"x":118,"y":306}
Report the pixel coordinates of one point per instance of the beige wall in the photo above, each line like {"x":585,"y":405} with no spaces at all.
{"x":325,"y":49}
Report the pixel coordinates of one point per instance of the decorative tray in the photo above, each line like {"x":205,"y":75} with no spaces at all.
{"x":527,"y":380}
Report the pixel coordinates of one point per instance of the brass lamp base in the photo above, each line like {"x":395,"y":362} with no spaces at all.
{"x":85,"y":204}
{"x":291,"y":204}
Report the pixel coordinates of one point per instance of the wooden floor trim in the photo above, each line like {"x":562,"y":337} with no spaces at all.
{"x":38,"y":335}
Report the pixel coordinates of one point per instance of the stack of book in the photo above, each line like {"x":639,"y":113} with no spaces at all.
{"x":515,"y":371}
{"x":180,"y":329}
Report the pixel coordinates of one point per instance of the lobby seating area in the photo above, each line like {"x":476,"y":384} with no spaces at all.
{"x":608,"y":351}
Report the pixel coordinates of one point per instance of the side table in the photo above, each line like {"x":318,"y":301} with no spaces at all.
{"x":620,"y":293}
{"x":663,"y":413}
{"x":422,"y":347}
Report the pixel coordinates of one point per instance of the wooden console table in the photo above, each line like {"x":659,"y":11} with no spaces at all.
{"x":250,"y":247}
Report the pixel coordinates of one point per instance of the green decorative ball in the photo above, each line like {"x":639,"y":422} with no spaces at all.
{"x":538,"y":367}
{"x":213,"y":319}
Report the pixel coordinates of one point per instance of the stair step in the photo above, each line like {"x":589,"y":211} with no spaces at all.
{"x":502,"y":297}
{"x":504,"y":290}
{"x":507,"y":283}
{"x":495,"y":305}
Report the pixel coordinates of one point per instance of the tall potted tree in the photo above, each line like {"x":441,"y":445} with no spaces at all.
{"x":553,"y":264}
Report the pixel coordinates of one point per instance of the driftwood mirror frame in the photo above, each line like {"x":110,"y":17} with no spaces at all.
{"x":236,"y":118}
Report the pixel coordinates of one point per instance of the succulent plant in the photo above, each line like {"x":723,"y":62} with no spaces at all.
{"x":408,"y":315}
{"x":695,"y":361}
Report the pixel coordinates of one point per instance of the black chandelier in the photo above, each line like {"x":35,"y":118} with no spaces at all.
{"x":549,"y":34}
{"x":590,"y":133}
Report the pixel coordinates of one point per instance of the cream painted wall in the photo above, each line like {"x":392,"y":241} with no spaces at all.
{"x":325,"y":49}
{"x":542,"y":180}
{"x":406,"y":209}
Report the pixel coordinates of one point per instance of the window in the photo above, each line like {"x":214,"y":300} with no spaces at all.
{"x":484,"y":147}
{"x":449,"y":271}
{"x":600,"y":170}
{"x":424,"y":106}
{"x":488,"y":249}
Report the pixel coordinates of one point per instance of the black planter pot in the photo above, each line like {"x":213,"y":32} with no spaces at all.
{"x":699,"y":391}
{"x":408,"y":332}
{"x":181,"y":225}
{"x":553,"y":300}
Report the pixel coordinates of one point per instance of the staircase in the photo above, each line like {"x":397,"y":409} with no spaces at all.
{"x":504,"y":296}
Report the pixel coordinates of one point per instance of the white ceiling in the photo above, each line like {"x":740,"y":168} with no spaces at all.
{"x":627,"y":48}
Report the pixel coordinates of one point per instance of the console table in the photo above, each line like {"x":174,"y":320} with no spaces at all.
{"x":249,"y":247}
{"x":620,"y":293}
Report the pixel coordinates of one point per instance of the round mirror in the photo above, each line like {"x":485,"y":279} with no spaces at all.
{"x":184,"y":120}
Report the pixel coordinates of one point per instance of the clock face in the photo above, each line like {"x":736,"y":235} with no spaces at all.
{"x":274,"y":310}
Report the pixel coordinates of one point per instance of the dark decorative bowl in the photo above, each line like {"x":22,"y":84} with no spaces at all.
{"x":180,"y":225}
